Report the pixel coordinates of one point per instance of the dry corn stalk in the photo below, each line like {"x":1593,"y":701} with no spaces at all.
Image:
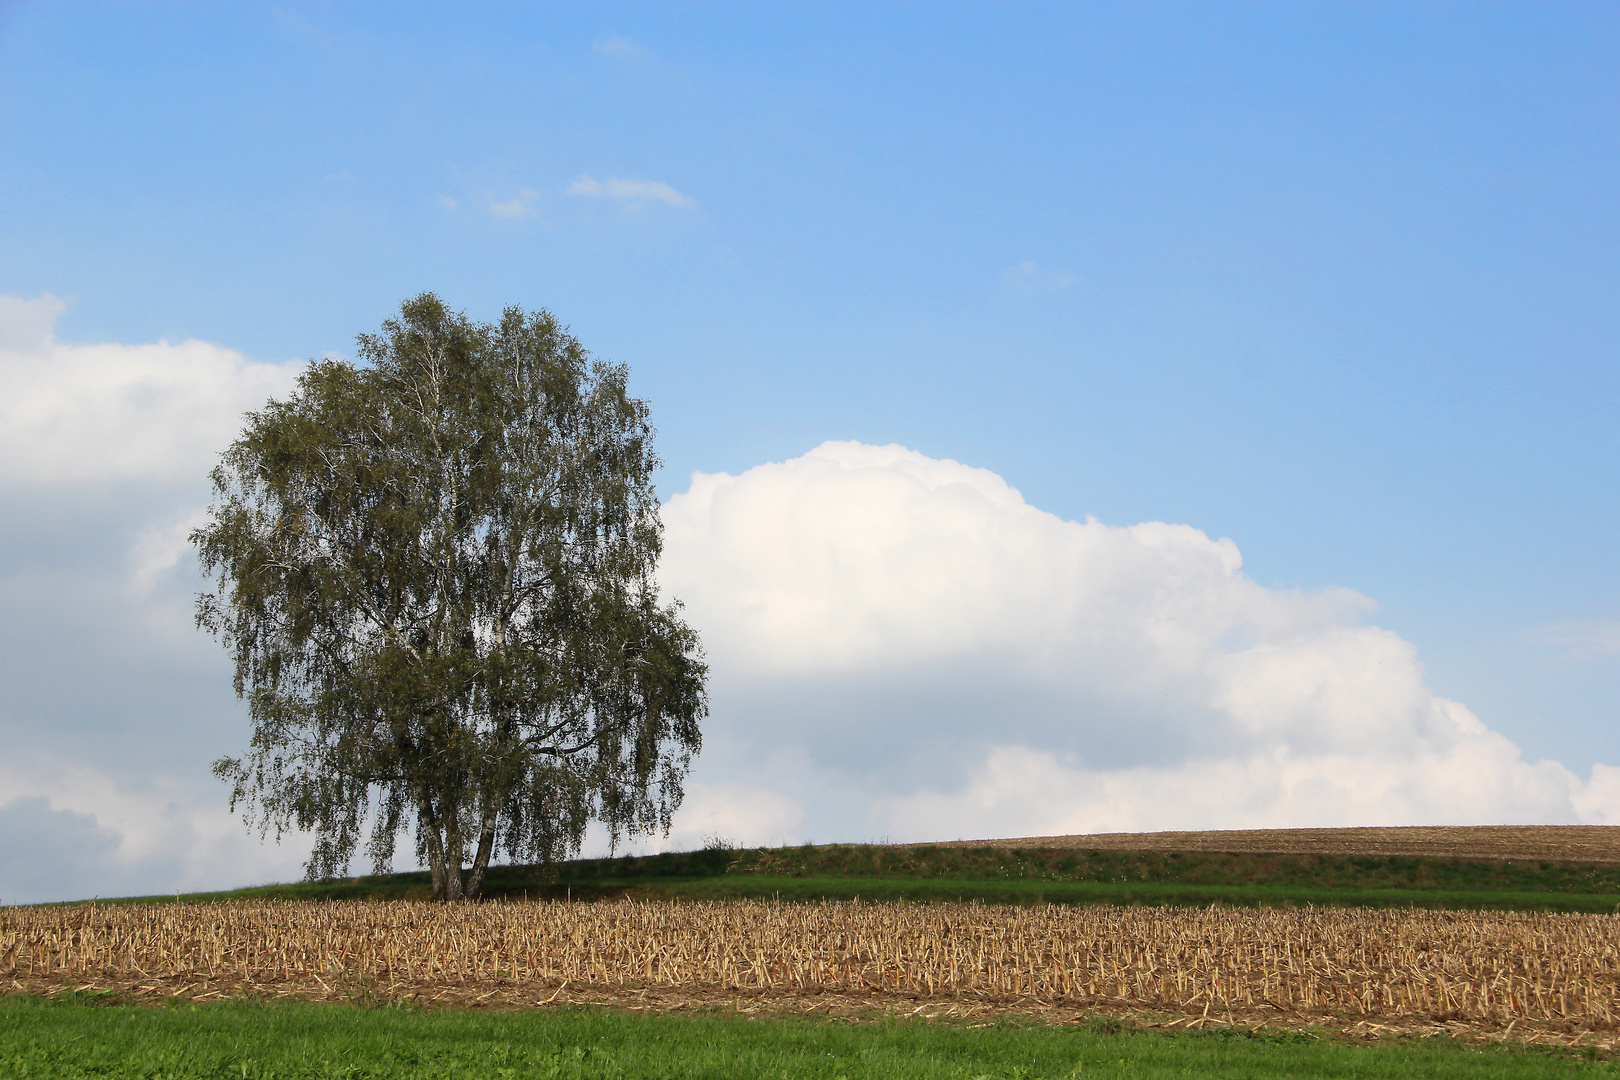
{"x":1331,"y":962}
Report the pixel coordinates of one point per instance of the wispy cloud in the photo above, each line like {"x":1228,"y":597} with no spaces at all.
{"x":292,"y":23}
{"x":1585,"y":639}
{"x":519,"y":206}
{"x":449,"y":202}
{"x":619,"y":48}
{"x":1030,"y":276}
{"x":632,"y":193}
{"x":633,"y":61}
{"x":159,"y":548}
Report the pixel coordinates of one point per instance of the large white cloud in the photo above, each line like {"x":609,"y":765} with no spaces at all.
{"x":114,"y":704}
{"x":927,"y":655}
{"x":93,"y":413}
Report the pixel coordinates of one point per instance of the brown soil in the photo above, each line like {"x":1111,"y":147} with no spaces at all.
{"x":1549,"y":843}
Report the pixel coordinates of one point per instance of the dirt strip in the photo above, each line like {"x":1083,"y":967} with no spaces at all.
{"x":875,"y":1005}
{"x":1548,"y":843}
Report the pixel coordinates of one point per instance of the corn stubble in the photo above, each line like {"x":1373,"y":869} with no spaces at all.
{"x":1475,"y":966}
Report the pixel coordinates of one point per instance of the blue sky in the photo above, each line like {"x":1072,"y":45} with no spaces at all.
{"x":1337,"y":282}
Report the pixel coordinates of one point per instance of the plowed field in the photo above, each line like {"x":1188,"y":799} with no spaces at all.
{"x":1550,"y":843}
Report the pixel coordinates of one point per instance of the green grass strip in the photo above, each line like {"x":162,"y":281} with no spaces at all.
{"x":69,"y":1039}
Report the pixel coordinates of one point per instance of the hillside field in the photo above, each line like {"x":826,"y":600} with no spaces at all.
{"x":1279,"y":936}
{"x":1550,"y":843}
{"x":1507,"y":868}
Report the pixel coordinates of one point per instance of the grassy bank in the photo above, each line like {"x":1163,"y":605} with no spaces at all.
{"x":1150,"y":893}
{"x":1000,"y":875}
{"x":68,"y":1038}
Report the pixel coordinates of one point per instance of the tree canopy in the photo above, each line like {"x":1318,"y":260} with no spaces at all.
{"x":434,"y":571}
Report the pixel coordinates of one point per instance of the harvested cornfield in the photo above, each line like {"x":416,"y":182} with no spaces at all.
{"x":1331,"y":963}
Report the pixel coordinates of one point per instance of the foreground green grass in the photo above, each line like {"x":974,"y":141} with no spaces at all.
{"x":72,"y":1038}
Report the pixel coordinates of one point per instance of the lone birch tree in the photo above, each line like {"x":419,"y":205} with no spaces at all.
{"x":434,"y":572}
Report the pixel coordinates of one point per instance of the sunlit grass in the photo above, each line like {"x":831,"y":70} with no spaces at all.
{"x":73,"y":1038}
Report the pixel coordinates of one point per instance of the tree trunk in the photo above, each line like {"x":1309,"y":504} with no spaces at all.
{"x":452,"y":858}
{"x":486,"y":846}
{"x":428,"y":822}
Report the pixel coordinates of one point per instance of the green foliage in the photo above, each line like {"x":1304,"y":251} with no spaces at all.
{"x":434,"y":574}
{"x":69,"y":1040}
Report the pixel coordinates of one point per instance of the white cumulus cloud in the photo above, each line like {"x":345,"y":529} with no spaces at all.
{"x":901,"y":646}
{"x":741,"y":813}
{"x":948,"y":660}
{"x":114,"y":703}
{"x":631,"y":192}
{"x":159,"y":548}
{"x":78,"y":413}
{"x":69,"y":831}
